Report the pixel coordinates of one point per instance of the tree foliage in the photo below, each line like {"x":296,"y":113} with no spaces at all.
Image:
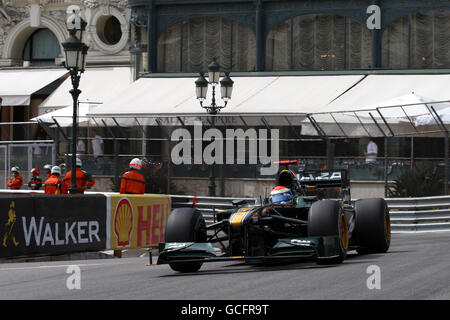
{"x":156,"y":181}
{"x":418,"y":182}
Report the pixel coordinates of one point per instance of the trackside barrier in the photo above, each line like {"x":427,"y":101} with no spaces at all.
{"x":425,"y":214}
{"x":136,"y":221}
{"x":207,"y":205}
{"x":421,"y":214}
{"x":35,"y":224}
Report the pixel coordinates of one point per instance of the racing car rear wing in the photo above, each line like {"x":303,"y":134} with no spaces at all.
{"x":324,"y":179}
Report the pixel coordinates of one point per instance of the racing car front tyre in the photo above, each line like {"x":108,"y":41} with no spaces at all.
{"x":372,"y":226}
{"x":185,"y":225}
{"x":326,"y":218}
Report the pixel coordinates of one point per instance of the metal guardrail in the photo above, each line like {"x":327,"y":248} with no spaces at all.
{"x":428,"y":214}
{"x":207,"y":205}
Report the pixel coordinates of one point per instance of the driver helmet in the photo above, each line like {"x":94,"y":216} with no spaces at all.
{"x":281,"y":195}
{"x":35,"y":171}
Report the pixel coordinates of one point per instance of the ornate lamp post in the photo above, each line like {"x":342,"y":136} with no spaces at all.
{"x":201,"y":85}
{"x":75,"y":52}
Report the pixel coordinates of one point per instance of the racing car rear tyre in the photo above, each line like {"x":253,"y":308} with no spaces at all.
{"x":372,"y":226}
{"x":185,"y":225}
{"x":326,"y":218}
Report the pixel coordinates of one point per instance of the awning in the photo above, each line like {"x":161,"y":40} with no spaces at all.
{"x":330,"y":105}
{"x":387,"y":105}
{"x":96,"y":85}
{"x":382,"y":88}
{"x":17,"y":86}
{"x":64,"y":116}
{"x":431,"y":119}
{"x":257,"y":95}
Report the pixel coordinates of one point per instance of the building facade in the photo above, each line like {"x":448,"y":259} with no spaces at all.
{"x":31,"y":31}
{"x":275,"y":35}
{"x":306,"y":36}
{"x":31,"y":69}
{"x":31,"y":37}
{"x":174,"y":36}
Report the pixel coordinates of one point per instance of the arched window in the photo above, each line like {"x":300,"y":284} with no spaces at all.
{"x":41,"y":48}
{"x":191,"y":45}
{"x":318,"y":42}
{"x":418,"y":41}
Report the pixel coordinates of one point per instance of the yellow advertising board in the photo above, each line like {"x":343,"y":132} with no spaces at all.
{"x":136,"y":221}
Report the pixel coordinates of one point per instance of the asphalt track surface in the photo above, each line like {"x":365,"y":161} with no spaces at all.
{"x":416,"y":267}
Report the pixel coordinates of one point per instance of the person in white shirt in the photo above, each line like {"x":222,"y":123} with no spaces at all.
{"x":81,"y":147}
{"x":37,"y":151}
{"x":97,"y":145}
{"x":372,"y":151}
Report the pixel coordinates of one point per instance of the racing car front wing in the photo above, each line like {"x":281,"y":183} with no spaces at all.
{"x":285,"y":248}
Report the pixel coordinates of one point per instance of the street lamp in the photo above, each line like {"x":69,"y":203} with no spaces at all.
{"x":201,"y":89}
{"x":75,"y":52}
{"x":201,"y":86}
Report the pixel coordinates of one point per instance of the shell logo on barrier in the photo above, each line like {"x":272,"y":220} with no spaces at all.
{"x":123,"y":222}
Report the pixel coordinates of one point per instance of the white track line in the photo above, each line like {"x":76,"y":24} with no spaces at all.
{"x":64,"y":266}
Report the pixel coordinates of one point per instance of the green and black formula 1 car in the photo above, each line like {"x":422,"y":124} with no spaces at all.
{"x":312,"y":227}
